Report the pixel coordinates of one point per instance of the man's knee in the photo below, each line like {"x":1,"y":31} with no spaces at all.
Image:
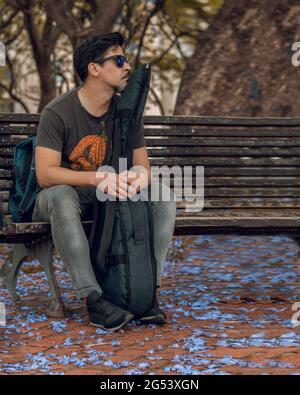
{"x":62,"y":199}
{"x":163,"y":198}
{"x":161,"y":192}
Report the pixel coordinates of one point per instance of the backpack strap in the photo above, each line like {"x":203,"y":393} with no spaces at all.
{"x":137,"y":211}
{"x":110,"y":127}
{"x":104,"y":212}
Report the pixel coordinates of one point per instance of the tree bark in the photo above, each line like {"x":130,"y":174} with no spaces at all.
{"x":242,"y":63}
{"x":43,"y":47}
{"x":105,"y":16}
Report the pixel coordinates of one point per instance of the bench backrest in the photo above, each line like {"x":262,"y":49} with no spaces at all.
{"x":249,"y":163}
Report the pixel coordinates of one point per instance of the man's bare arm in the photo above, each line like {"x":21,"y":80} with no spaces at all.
{"x":139,"y":178}
{"x":49,"y":171}
{"x":140,"y":158}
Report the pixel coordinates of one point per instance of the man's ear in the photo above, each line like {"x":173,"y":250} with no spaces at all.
{"x":94,"y":70}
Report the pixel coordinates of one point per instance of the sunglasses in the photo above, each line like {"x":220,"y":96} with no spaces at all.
{"x":119,"y":60}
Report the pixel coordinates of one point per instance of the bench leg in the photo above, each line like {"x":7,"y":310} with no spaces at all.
{"x":11,"y":269}
{"x":43,"y":252}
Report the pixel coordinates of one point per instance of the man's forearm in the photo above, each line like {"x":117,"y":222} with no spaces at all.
{"x":139,"y":169}
{"x":60,"y":175}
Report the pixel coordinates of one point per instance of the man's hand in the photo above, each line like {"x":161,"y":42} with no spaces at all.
{"x":114,"y":184}
{"x":136,"y":182}
{"x":123,"y":185}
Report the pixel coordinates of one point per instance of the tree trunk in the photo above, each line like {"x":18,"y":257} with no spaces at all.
{"x":47,"y":84}
{"x":43,"y":46}
{"x":242,"y":63}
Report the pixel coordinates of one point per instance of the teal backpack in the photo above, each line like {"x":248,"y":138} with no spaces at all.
{"x":25,"y":187}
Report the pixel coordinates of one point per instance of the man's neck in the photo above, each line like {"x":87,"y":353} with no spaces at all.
{"x":95,"y":99}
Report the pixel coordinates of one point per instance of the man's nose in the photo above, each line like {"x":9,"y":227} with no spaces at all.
{"x":127,"y":66}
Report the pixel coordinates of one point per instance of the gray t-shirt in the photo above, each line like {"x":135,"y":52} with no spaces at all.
{"x":67,"y":127}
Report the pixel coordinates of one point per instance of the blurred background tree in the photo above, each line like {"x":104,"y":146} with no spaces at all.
{"x":30,"y":37}
{"x":40,"y":36}
{"x":242,"y":63}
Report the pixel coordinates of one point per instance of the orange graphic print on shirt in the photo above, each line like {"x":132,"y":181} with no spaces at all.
{"x":89,"y":153}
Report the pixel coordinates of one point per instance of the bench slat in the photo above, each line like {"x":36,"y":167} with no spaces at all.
{"x":222,"y":121}
{"x":222,"y":162}
{"x":253,"y":171}
{"x":249,"y":182}
{"x":219,"y":171}
{"x":230,"y":212}
{"x":5,"y":185}
{"x":208,"y":161}
{"x":170,"y":120}
{"x":241,"y":134}
{"x":231,"y":203}
{"x":5,"y":173}
{"x":214,"y":151}
{"x":195,"y":225}
{"x":8,"y":130}
{"x":10,"y":141}
{"x":250,"y":192}
{"x":19,"y":118}
{"x":193,"y":142}
{"x":252,"y":181}
{"x":225,"y":192}
{"x":220,"y":142}
{"x":229,"y":192}
{"x":242,"y":212}
{"x":243,"y":202}
{"x":205,"y":152}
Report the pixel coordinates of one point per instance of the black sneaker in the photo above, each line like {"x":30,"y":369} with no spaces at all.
{"x":154,"y":316}
{"x":104,"y":314}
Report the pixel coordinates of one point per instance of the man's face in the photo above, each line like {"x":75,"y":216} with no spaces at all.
{"x":111,"y":74}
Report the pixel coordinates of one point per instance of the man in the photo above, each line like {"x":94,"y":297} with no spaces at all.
{"x":71,"y":145}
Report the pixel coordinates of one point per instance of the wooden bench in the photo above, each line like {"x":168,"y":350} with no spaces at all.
{"x":252,"y":181}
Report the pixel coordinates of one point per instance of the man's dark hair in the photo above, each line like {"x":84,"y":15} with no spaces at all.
{"x":93,"y":48}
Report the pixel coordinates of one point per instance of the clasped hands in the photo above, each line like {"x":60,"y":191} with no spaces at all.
{"x":124,"y":185}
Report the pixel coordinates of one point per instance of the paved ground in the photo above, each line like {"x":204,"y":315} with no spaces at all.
{"x":229,"y":304}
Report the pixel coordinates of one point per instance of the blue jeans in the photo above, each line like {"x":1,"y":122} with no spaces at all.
{"x":65,"y":207}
